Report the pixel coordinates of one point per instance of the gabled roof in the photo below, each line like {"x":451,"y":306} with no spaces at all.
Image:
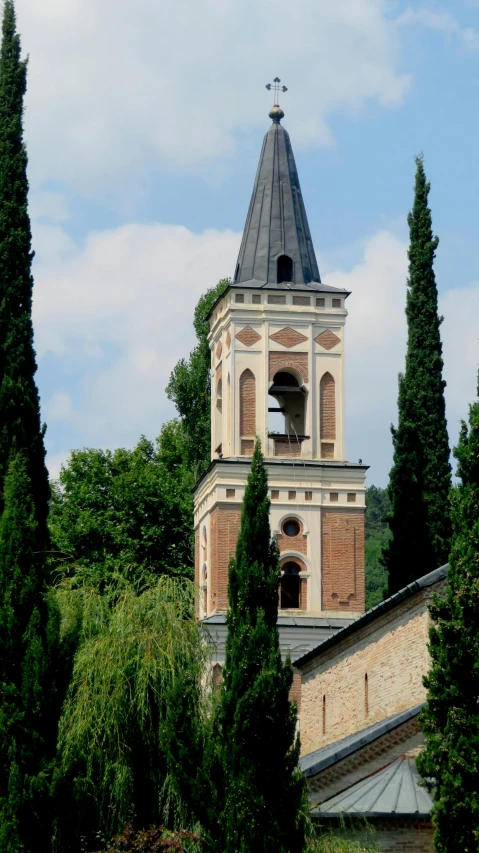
{"x":383,"y":607}
{"x":394,"y":791}
{"x":277,"y":223}
{"x":319,"y":760}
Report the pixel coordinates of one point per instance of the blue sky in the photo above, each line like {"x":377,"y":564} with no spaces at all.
{"x":144,"y":125}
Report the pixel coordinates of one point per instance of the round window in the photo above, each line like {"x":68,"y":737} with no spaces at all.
{"x":291,"y":527}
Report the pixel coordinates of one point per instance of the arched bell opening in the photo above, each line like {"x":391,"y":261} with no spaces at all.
{"x":284,"y":269}
{"x":290,"y":590}
{"x":290,"y":397}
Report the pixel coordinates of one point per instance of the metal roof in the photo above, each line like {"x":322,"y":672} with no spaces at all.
{"x":394,"y":791}
{"x":321,"y":759}
{"x":297,"y":634}
{"x":277,"y":223}
{"x":370,"y":615}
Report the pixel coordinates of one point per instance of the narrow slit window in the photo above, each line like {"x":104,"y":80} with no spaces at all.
{"x":324,"y":715}
{"x":366,"y":696}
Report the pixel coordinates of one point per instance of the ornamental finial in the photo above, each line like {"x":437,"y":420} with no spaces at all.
{"x":276,"y":113}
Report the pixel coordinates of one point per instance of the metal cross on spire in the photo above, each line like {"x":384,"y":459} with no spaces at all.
{"x":276,"y":88}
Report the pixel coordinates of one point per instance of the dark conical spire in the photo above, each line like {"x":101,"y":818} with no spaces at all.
{"x":277,"y":225}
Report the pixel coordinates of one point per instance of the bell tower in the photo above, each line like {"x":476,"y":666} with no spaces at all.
{"x":277,"y":339}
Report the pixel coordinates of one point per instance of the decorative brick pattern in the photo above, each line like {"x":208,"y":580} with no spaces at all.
{"x":219,"y":350}
{"x":277,"y":300}
{"x":288,"y":337}
{"x":239,"y":297}
{"x":256,"y":300}
{"x":320,"y":302}
{"x":351,"y":497}
{"x":228,"y":339}
{"x":224,"y":530}
{"x":248,"y":336}
{"x":327,"y":339}
{"x":336,"y":303}
{"x":286,"y":448}
{"x":275,"y":494}
{"x":247,"y":446}
{"x":247,"y":404}
{"x":301,"y":300}
{"x":342,"y":565}
{"x":327,"y":407}
{"x":294,"y":559}
{"x":327,"y":450}
{"x":282,"y":360}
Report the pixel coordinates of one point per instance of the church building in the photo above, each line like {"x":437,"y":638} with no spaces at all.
{"x":277,"y":340}
{"x":277,"y":345}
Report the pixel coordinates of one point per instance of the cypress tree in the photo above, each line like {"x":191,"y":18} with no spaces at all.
{"x":28,"y":636}
{"x":262,"y":787}
{"x":28,"y":627}
{"x":420,"y":478}
{"x":450,"y":720}
{"x":19,"y":401}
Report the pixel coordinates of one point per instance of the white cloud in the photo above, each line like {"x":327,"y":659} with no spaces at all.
{"x":443,"y":22}
{"x":112,"y":86}
{"x":116,"y":315}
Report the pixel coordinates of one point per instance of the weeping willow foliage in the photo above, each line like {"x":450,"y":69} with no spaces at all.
{"x":119,"y":732}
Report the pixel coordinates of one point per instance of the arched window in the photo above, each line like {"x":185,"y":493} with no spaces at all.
{"x":290,"y":587}
{"x":284,"y":269}
{"x":327,"y":415}
{"x":247,"y":412}
{"x":217,"y":674}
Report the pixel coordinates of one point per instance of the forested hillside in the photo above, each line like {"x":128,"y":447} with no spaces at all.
{"x":377,"y":534}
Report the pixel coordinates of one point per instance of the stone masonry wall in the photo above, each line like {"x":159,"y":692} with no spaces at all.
{"x":342,"y":565}
{"x":392,"y":651}
{"x":225,"y":526}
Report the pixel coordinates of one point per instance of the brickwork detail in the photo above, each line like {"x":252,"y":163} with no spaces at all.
{"x":304,"y":593}
{"x":282,"y":360}
{"x":292,"y":543}
{"x":247,"y":404}
{"x":219,"y":350}
{"x":327,"y":339}
{"x":247,"y":446}
{"x":342,"y":565}
{"x":288,"y":337}
{"x":248,"y":336}
{"x":403,"y":836}
{"x":287,"y":448}
{"x":224,"y":530}
{"x":327,"y":407}
{"x":301,"y":300}
{"x":327,"y":450}
{"x":392,"y":650}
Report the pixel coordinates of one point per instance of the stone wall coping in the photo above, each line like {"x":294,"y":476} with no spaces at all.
{"x":428,"y":580}
{"x":278,"y":463}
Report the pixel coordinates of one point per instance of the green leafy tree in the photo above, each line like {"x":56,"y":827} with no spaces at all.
{"x":377,"y":534}
{"x":450,"y":720}
{"x":420,"y":478}
{"x":137,"y":653}
{"x":190,"y":387}
{"x":19,"y":401}
{"x":125,"y":513}
{"x":28,"y":641}
{"x":262,"y":786}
